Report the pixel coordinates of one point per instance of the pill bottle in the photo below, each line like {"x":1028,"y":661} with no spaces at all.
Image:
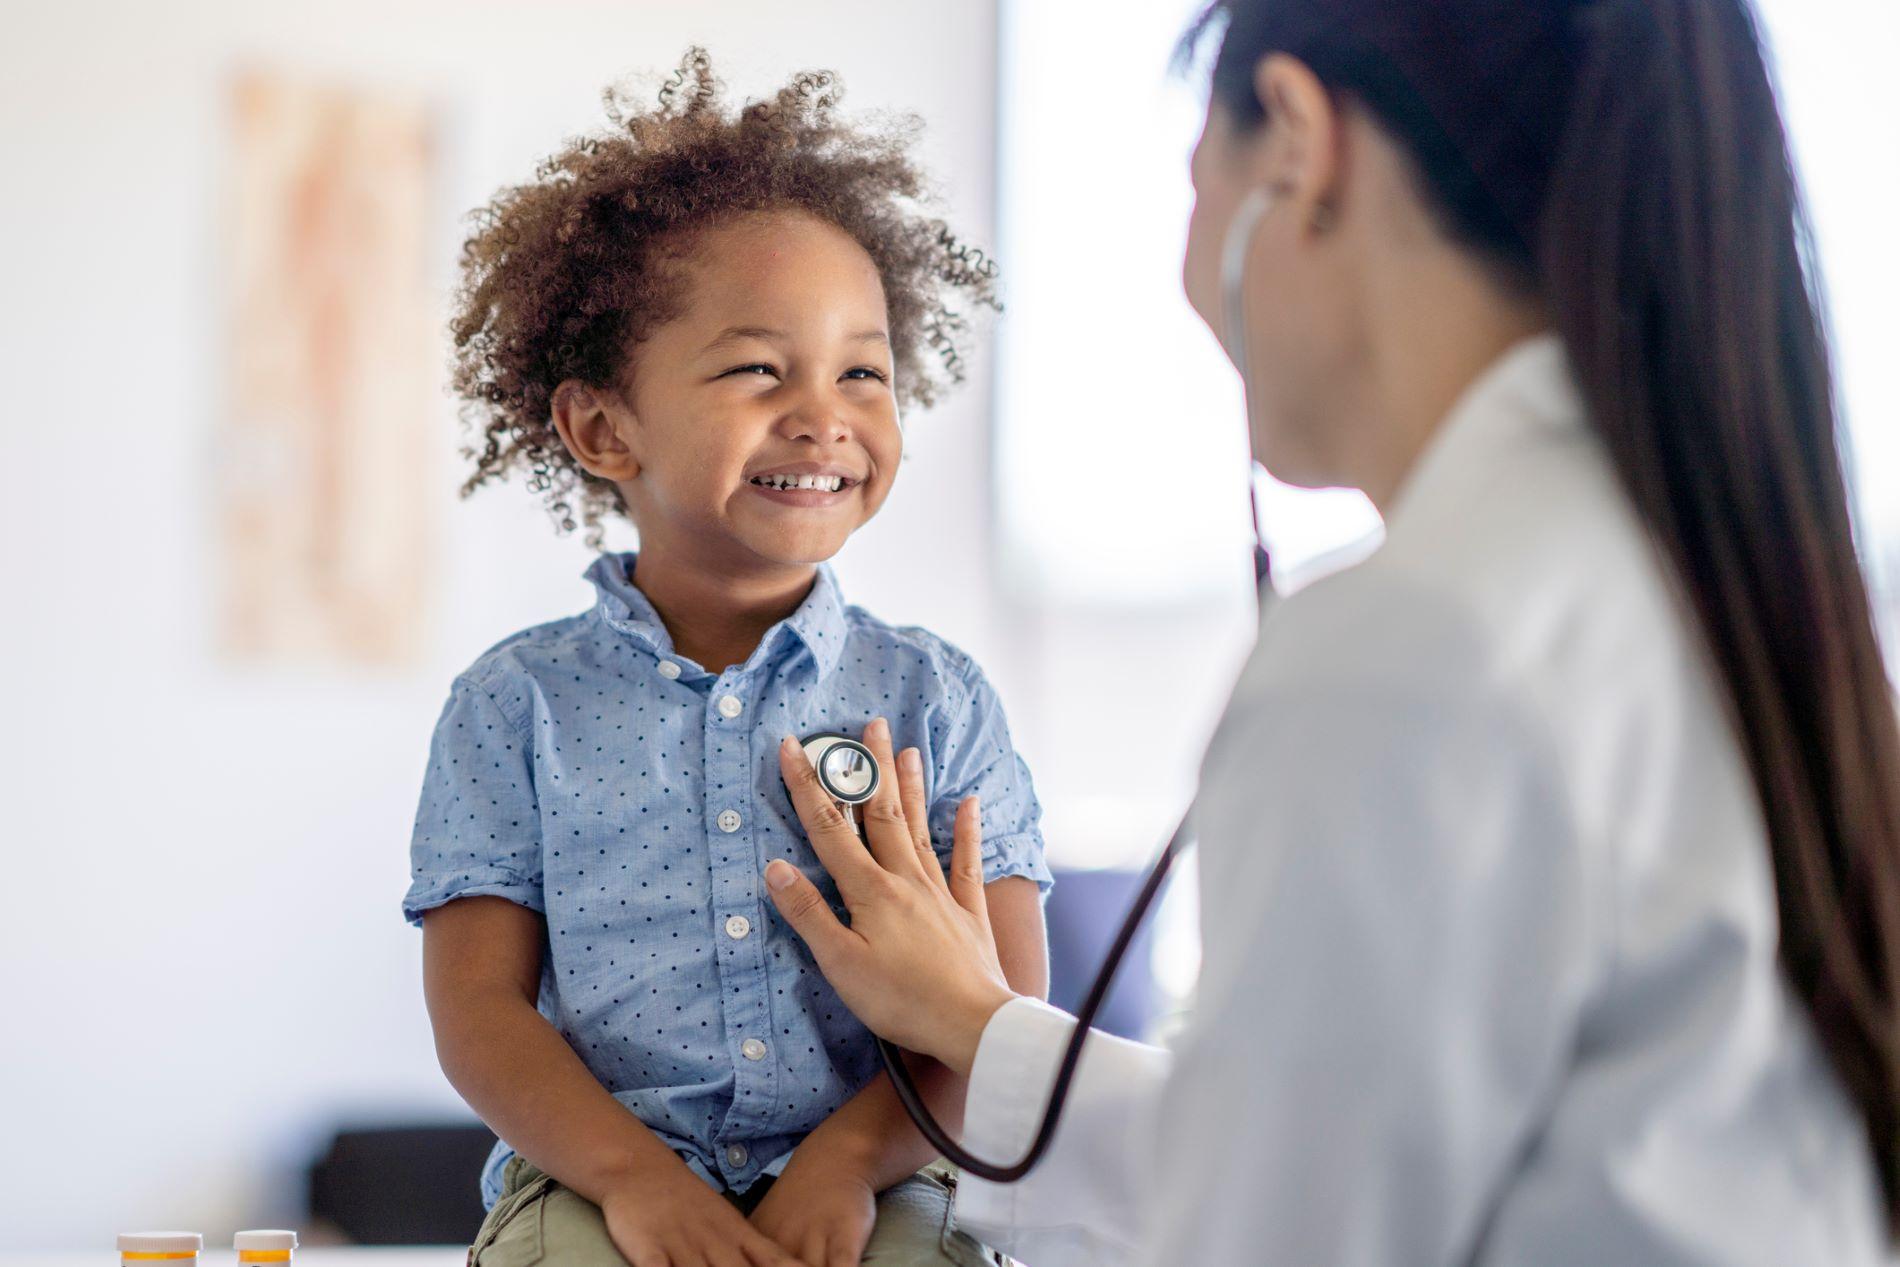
{"x":174,"y":1249}
{"x":264,"y":1246}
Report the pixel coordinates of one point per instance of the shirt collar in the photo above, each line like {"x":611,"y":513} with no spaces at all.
{"x":1530,"y":390}
{"x":818,"y":624}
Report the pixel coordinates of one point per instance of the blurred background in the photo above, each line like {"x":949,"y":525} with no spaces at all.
{"x":238,"y":579}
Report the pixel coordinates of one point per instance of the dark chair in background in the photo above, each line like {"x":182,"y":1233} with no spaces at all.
{"x":1084,"y":913}
{"x":402,"y":1185}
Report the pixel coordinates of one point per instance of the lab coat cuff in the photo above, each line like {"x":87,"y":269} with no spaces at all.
{"x":1015,"y":1065}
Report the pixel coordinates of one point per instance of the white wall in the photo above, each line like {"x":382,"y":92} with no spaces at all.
{"x":203,"y":865}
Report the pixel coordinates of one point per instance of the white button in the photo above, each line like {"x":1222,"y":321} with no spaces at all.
{"x":737,"y":926}
{"x":729,"y":706}
{"x":753,"y":1049}
{"x":729,"y":820}
{"x":736,"y":1154}
{"x":668,"y":669}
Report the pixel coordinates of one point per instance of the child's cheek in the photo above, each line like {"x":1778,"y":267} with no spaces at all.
{"x":879,"y":489}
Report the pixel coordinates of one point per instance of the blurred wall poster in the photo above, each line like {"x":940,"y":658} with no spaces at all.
{"x":323,"y":453}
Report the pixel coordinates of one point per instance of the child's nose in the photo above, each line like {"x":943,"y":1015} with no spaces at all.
{"x":814,"y":419}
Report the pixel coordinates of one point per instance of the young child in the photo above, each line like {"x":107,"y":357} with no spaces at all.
{"x":705,"y":320}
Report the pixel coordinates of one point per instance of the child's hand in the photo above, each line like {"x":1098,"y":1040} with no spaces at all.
{"x":822,"y":1213}
{"x":672,"y":1219}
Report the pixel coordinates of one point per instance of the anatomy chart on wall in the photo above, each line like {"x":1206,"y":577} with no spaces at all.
{"x":329,"y":398}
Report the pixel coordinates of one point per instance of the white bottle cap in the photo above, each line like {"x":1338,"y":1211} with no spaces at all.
{"x":161,"y":1243}
{"x":264,"y":1239}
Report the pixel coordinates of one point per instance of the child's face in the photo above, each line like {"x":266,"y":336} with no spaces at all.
{"x":778,"y":366}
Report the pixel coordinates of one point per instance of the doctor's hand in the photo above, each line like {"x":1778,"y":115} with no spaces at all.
{"x":918,"y":963}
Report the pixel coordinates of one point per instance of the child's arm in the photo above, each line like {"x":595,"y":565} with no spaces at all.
{"x":870,"y":1137}
{"x":481,"y":965}
{"x":481,"y":960}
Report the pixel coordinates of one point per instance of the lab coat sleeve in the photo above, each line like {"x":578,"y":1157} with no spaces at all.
{"x":1081,"y":1205}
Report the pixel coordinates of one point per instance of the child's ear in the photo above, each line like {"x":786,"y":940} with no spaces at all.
{"x":591,"y":423}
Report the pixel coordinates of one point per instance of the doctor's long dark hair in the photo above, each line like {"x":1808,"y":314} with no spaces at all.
{"x":1626,"y":160}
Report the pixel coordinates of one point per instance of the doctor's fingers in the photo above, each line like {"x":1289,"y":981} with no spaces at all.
{"x":801,"y":905}
{"x":966,"y":859}
{"x":885,"y":829}
{"x":910,"y":787}
{"x":833,"y":836}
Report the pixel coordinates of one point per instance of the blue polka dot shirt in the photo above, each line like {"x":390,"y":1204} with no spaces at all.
{"x":585,"y":770}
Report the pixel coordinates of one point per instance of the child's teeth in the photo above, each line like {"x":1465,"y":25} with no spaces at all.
{"x":823,"y":483}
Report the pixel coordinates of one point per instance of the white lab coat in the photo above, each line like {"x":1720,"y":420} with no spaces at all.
{"x":1489,"y":928}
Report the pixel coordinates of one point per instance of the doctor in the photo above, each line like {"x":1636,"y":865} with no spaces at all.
{"x":1551,"y":857}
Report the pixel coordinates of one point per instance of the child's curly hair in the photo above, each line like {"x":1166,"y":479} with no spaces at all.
{"x":562,"y":275}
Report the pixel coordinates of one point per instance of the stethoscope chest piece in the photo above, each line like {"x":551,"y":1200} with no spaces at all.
{"x":846,"y":769}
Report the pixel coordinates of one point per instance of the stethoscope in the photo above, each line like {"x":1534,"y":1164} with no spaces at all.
{"x":849,"y":774}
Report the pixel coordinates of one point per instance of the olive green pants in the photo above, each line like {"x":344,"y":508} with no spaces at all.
{"x":537,"y":1221}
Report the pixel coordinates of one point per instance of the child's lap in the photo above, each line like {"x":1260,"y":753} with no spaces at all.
{"x":538,"y":1223}
{"x":916,"y":1224}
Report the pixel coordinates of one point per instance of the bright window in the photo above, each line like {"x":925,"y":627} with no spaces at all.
{"x":1842,"y":107}
{"x":1121,"y":446}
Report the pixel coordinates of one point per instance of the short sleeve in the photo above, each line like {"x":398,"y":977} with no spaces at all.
{"x":974,"y":755}
{"x":477,"y":827}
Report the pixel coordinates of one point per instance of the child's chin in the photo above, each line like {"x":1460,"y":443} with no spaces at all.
{"x":803,"y":552}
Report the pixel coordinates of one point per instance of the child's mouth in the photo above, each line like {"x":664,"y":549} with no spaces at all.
{"x":803,"y":490}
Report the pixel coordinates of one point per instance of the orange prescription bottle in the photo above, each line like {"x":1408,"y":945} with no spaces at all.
{"x":159,"y":1249}
{"x":264,"y":1246}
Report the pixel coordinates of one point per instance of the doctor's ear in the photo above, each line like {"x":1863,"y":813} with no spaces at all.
{"x":1300,"y":157}
{"x":593,"y":423}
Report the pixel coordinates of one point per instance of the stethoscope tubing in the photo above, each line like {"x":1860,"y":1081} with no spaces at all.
{"x":998,"y":1172}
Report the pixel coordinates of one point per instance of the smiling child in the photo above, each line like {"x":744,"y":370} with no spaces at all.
{"x":706,"y":321}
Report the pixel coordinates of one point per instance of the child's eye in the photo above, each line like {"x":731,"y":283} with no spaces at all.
{"x":866,"y":372}
{"x":750,"y":369}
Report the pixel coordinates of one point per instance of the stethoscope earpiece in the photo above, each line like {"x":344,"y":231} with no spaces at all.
{"x":1235,"y":245}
